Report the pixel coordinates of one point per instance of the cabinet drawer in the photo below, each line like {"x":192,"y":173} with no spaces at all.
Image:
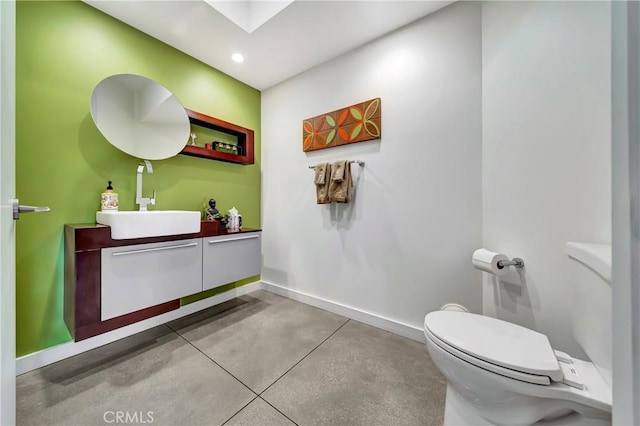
{"x":139,"y":276}
{"x":230,"y":258}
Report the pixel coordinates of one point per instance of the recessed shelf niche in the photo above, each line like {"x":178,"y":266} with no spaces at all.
{"x":241,"y":135}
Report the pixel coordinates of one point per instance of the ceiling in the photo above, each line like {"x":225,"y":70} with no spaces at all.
{"x":301,"y":36}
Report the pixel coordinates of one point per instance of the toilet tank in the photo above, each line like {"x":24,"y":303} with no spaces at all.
{"x":590,"y":276}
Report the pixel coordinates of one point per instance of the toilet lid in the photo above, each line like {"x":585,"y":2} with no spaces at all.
{"x":496,"y":342}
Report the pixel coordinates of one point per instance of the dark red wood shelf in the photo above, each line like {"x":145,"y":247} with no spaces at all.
{"x":245,"y":140}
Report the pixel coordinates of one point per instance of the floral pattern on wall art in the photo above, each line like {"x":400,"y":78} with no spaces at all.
{"x":356,"y":123}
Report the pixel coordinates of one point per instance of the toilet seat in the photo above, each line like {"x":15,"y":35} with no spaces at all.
{"x":495,"y":345}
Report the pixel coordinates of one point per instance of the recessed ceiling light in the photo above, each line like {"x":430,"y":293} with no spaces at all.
{"x":237,"y":57}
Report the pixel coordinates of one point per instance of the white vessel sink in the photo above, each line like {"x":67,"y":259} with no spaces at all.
{"x":153,"y":223}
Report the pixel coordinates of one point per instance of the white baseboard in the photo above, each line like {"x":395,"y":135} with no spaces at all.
{"x":396,"y":327}
{"x":57,"y":353}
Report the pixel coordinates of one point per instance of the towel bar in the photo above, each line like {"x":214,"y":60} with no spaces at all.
{"x":360,"y":163}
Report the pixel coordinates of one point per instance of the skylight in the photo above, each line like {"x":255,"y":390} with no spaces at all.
{"x":249,"y":14}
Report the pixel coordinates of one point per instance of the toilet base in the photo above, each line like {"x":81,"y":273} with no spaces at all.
{"x":458,"y":412}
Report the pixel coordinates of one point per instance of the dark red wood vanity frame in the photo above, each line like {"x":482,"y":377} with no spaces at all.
{"x":82,"y":278}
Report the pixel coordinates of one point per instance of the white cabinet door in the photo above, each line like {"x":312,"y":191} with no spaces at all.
{"x":230,"y":258}
{"x":139,"y":276}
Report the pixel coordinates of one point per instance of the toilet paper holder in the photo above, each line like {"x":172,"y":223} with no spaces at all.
{"x":516,"y":261}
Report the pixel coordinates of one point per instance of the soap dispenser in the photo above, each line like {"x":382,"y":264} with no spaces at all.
{"x":109,"y":199}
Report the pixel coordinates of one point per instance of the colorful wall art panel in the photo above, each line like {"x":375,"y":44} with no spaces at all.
{"x":357,"y":123}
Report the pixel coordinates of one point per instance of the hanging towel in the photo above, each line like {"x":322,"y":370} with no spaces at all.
{"x":341,"y":182}
{"x":321,"y":180}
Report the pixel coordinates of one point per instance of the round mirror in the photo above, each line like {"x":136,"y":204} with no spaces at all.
{"x":140,"y":117}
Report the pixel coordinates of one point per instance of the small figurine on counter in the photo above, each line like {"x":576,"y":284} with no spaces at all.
{"x":193,"y":138}
{"x":212,"y":213}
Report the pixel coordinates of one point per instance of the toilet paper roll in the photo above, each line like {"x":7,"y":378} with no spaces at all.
{"x":487,"y":261}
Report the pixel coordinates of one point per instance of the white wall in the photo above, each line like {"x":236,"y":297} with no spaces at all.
{"x":403,"y":247}
{"x":546,"y":151}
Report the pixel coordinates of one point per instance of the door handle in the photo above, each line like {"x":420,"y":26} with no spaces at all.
{"x":122,"y":253}
{"x":19,"y":208}
{"x":246,"y":237}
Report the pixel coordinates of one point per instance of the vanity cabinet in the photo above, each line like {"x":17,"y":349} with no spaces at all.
{"x":112,"y":283}
{"x":144,"y":275}
{"x":230,"y":258}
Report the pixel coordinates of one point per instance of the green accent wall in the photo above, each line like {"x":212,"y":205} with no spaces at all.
{"x":62,"y":161}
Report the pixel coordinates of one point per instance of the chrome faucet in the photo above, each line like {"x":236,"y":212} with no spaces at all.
{"x":139,"y":200}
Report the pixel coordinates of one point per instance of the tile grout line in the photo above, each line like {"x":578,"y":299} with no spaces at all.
{"x":225,"y":370}
{"x":273,"y":406}
{"x":214,"y":361}
{"x":257,"y":396}
{"x":303,"y":358}
{"x":236,"y":413}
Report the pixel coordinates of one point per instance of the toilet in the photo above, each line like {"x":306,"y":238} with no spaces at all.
{"x":499,"y":373}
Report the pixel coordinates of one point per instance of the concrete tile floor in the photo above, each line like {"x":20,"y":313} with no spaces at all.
{"x":260,"y":359}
